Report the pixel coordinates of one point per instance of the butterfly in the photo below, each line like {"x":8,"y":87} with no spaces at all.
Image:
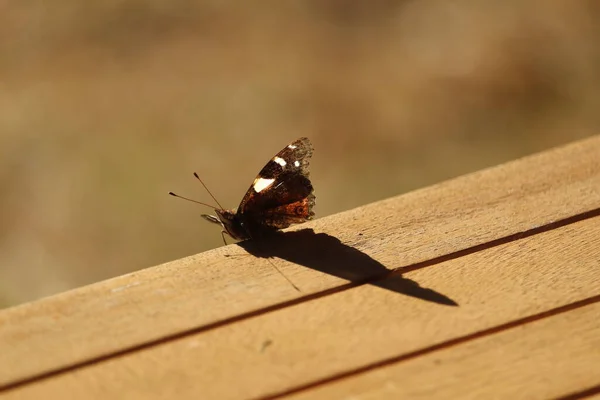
{"x":280,"y":195}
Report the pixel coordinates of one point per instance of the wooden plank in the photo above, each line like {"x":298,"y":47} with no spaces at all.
{"x":546,"y":359}
{"x":200,"y":291}
{"x":295,"y":346}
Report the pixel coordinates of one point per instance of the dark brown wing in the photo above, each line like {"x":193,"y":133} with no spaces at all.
{"x":293,"y":213}
{"x":281,"y":194}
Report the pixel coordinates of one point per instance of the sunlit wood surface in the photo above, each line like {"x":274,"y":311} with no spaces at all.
{"x":485,"y":286}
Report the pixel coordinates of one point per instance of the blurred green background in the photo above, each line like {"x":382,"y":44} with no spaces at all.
{"x":107,"y":105}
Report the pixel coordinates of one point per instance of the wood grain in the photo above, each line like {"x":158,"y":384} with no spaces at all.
{"x":200,"y":292}
{"x":315,"y":340}
{"x":546,"y":359}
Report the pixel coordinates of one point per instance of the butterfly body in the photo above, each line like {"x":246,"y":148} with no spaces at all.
{"x":281,"y":195}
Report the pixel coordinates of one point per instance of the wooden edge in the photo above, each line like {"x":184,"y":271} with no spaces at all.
{"x":398,"y":318}
{"x":209,"y":290}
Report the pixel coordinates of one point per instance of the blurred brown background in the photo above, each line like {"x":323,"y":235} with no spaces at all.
{"x":107,"y":105}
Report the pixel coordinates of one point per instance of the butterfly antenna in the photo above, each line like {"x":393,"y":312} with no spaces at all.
{"x":282,"y":274}
{"x":211,"y":195}
{"x":193,"y":201}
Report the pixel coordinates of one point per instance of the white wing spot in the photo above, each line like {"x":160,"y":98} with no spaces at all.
{"x":297,"y":163}
{"x":291,"y":146}
{"x":280,"y":161}
{"x":261,"y":184}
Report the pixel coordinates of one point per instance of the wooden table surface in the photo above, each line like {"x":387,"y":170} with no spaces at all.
{"x":485,"y":286}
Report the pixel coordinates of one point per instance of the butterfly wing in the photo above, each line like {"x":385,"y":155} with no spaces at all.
{"x":282,"y":193}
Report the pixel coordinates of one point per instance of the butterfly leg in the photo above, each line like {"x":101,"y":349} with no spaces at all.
{"x":223,"y":236}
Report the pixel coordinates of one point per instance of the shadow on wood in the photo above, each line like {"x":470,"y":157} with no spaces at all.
{"x":326,"y":253}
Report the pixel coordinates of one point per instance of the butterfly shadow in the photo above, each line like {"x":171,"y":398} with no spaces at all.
{"x":326,"y":253}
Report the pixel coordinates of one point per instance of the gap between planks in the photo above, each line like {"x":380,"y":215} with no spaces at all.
{"x":592,"y":393}
{"x":560,"y":346}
